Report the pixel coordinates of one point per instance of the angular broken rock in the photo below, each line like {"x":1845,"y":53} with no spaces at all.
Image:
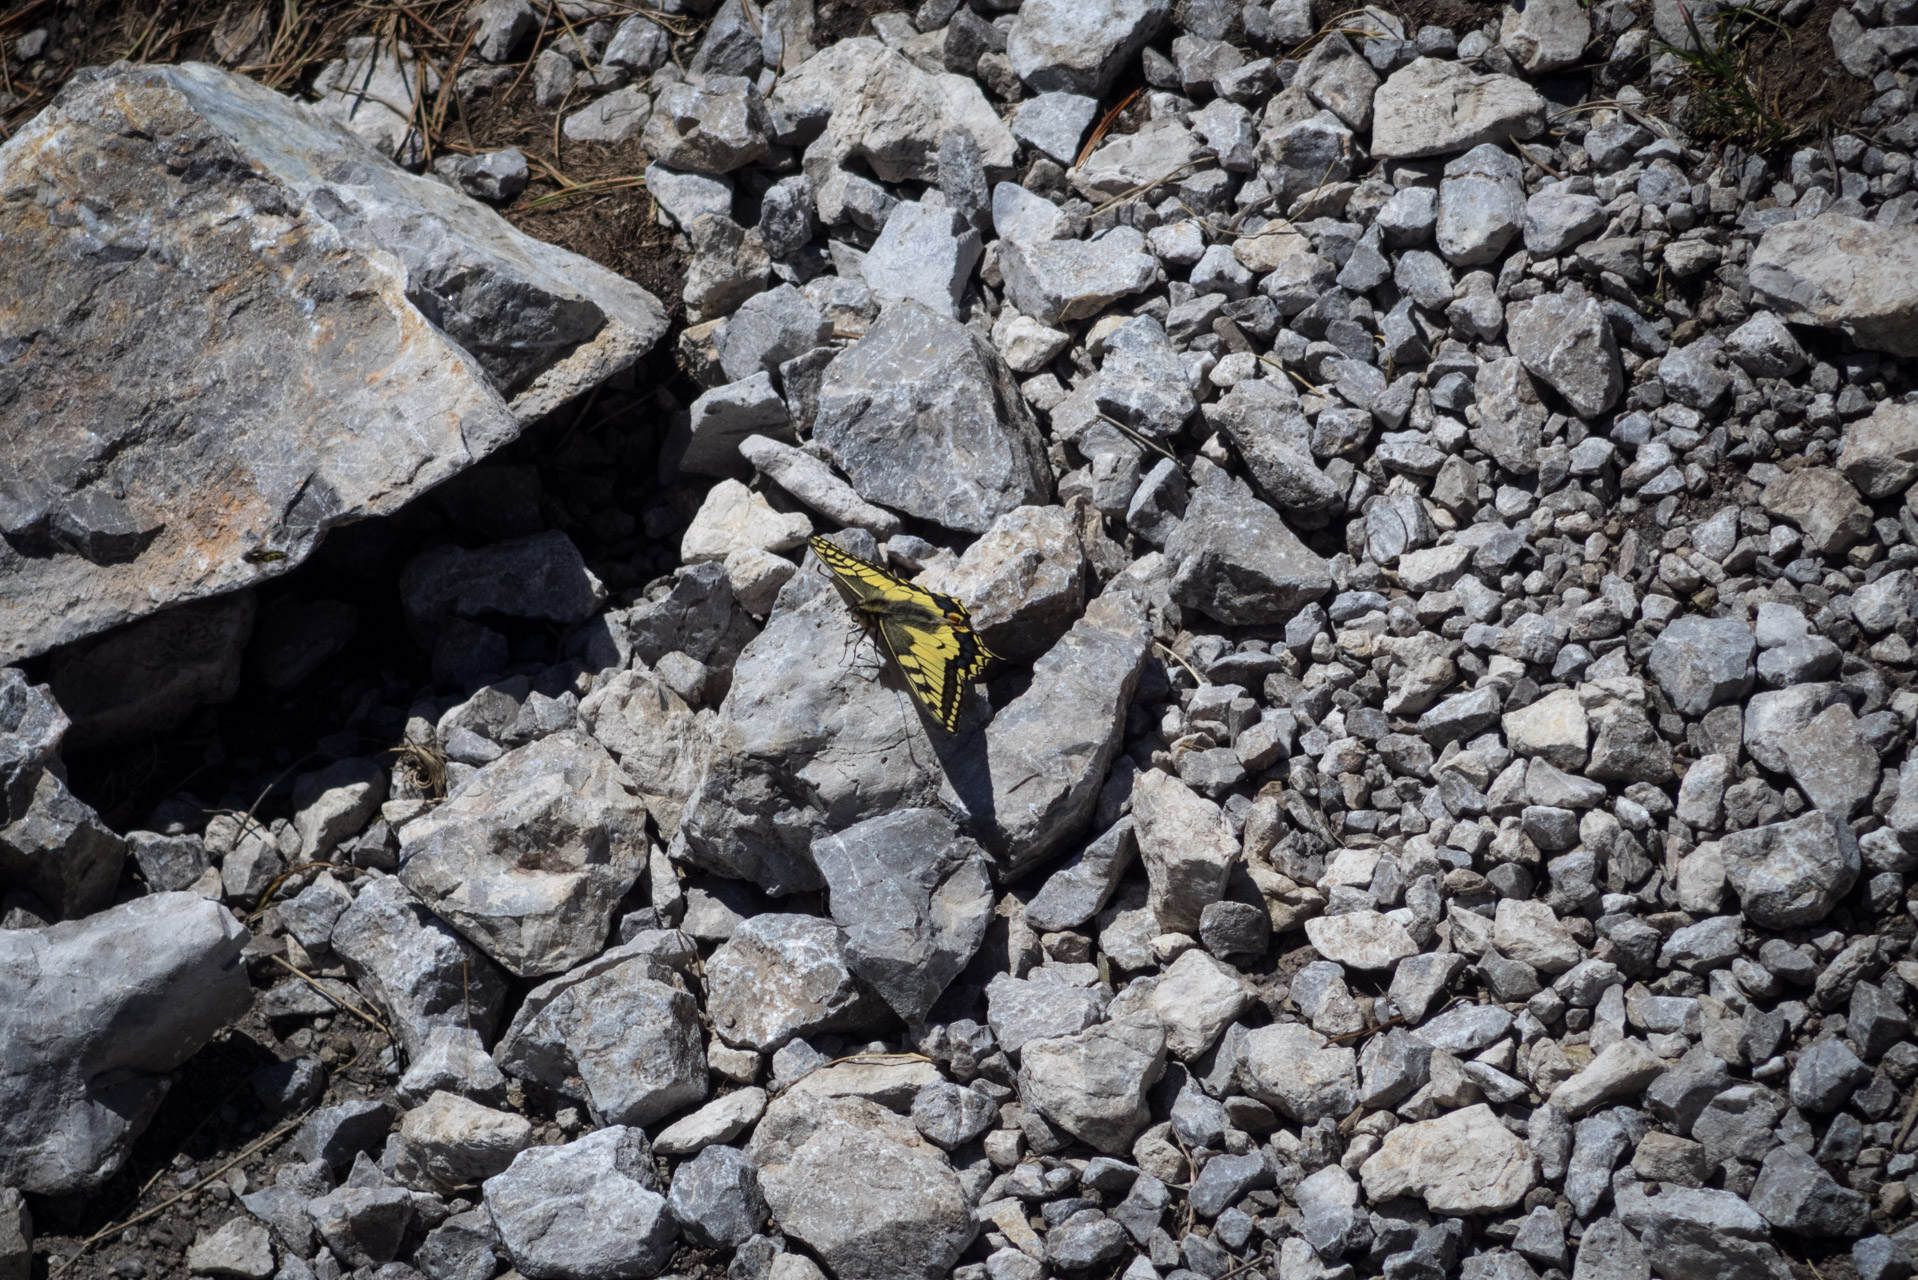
{"x":922,"y":415}
{"x":861,"y":1188}
{"x":781,"y":976}
{"x":530,"y":857}
{"x":914,"y":898}
{"x":807,"y":742}
{"x":516,"y":328}
{"x":588,"y":1208}
{"x":1187,"y":848}
{"x":1839,"y":272}
{"x":1432,"y":107}
{"x":98,"y":1013}
{"x":623,"y":1028}
{"x":1093,"y":1084}
{"x":1048,"y":750}
{"x":1463,"y":1162}
{"x":415,"y":968}
{"x":1793,"y":872}
{"x":1570,"y":345}
{"x":1238,"y":562}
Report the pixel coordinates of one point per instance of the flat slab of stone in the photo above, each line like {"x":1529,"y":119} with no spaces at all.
{"x":219,"y":465}
{"x":1433,"y":108}
{"x":1843,"y":273}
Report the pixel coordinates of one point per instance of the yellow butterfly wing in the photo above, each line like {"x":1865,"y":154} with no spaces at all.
{"x":928,"y":635}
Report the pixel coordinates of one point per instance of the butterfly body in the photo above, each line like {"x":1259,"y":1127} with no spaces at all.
{"x":928,"y":635}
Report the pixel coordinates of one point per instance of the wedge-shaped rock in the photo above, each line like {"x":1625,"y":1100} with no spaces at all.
{"x":412,"y":332}
{"x":1237,"y":560}
{"x":914,"y":897}
{"x":1047,"y":751}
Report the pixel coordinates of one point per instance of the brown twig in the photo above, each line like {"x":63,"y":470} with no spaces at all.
{"x":116,"y":1228}
{"x":351,"y":1008}
{"x":1105,"y":126}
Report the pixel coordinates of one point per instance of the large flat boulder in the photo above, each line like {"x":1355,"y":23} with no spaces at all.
{"x":213,"y":361}
{"x":1843,"y":273}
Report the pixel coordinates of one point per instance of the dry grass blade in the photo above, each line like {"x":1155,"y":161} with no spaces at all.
{"x":351,"y":1008}
{"x":108,"y":1232}
{"x":1105,"y":126}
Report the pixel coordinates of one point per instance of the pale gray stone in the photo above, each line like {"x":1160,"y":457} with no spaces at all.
{"x":586,"y":1209}
{"x":1793,"y":872}
{"x":1433,"y":107}
{"x":98,"y":1013}
{"x":1839,"y":272}
{"x":901,"y":407}
{"x":1093,"y":1084}
{"x":447,"y":392}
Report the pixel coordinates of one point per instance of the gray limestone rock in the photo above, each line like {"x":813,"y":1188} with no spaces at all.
{"x":924,"y":254}
{"x":98,"y":1012}
{"x":1292,"y":1068}
{"x":914,"y":898}
{"x":463,"y":329}
{"x":861,"y":1189}
{"x":449,"y":1142}
{"x":1569,"y":345}
{"x":414,"y":967}
{"x":1481,"y":205}
{"x":587,"y":1209}
{"x":538,"y":577}
{"x":1433,"y":107}
{"x":1093,"y":1084}
{"x":1076,"y":46}
{"x":1793,"y":872}
{"x":918,"y":393}
{"x":1795,"y":1194}
{"x":530,"y":857}
{"x":1685,"y":1231}
{"x":60,"y":849}
{"x":1023,"y":581}
{"x":622,"y":1027}
{"x":1236,"y":560}
{"x":32,"y":727}
{"x":809,"y":740}
{"x":781,"y":976}
{"x":1047,"y":751}
{"x":710,"y":128}
{"x":1702,"y":662}
{"x":721,"y":419}
{"x":1080,"y":888}
{"x":768,"y":329}
{"x":1511,"y":415}
{"x":715,"y":1198}
{"x":1058,"y":280}
{"x":661,"y":744}
{"x":1880,"y":454}
{"x":1839,"y":272}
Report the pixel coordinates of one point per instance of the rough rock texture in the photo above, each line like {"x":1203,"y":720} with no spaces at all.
{"x":444,"y":330}
{"x":99,"y":1012}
